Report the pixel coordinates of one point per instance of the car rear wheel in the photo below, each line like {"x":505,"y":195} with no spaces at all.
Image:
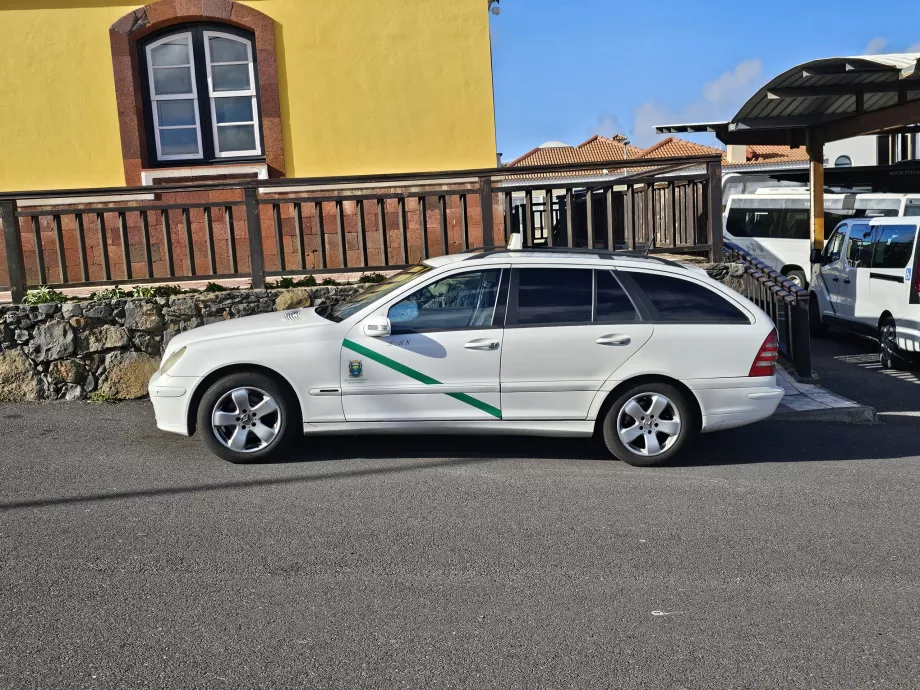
{"x":798,"y":277}
{"x":649,"y":424}
{"x":247,"y":417}
{"x":888,"y":354}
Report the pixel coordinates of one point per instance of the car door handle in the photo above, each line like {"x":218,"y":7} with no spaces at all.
{"x":846,"y":281}
{"x":482,"y":344}
{"x":614,"y":339}
{"x":836,"y":280}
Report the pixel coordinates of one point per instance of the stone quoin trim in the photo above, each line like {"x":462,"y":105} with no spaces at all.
{"x":127,"y":31}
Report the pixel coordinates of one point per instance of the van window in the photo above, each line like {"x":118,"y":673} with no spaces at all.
{"x":912,"y":209}
{"x":860,"y":242}
{"x":894,"y":246}
{"x":682,"y":301}
{"x":834,"y":245}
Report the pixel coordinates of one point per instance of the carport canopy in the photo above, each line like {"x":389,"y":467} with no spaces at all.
{"x":821,"y":101}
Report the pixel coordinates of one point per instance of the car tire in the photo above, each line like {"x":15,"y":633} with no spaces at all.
{"x":888,"y":355}
{"x":816,"y":325}
{"x":248,"y":436}
{"x":798,"y":277}
{"x":622,"y":430}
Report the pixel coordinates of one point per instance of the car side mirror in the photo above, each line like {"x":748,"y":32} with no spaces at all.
{"x":377,"y":327}
{"x":817,"y":257}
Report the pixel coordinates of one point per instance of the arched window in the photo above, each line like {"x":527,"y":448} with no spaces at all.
{"x":201,"y":97}
{"x":843,"y":162}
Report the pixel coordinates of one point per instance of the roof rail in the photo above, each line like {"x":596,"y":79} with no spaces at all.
{"x":483,"y":252}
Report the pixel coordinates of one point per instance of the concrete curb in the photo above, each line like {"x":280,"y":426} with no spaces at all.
{"x":861,"y":414}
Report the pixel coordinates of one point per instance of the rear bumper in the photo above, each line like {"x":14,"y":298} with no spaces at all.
{"x":171,"y":396}
{"x":736,"y":405}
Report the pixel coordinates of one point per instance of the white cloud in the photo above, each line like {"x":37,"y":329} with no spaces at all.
{"x":718,"y":99}
{"x":608,"y":125}
{"x":875,"y":46}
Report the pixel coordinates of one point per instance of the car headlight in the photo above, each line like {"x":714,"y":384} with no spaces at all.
{"x":170,"y":361}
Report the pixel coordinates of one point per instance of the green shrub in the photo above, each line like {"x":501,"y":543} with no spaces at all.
{"x":115,"y":292}
{"x":157,"y":290}
{"x":306,"y":281}
{"x":372,"y":278}
{"x":330,"y":281}
{"x":98,"y":397}
{"x":44,"y":295}
{"x":215,"y":287}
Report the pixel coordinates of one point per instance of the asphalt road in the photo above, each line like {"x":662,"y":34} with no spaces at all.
{"x":848,"y":365}
{"x":784,"y":555}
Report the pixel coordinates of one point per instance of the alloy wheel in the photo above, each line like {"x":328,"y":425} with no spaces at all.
{"x":648,"y":424}
{"x":246,"y":420}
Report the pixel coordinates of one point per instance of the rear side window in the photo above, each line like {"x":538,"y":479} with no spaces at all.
{"x":894,"y":246}
{"x":612,"y":304}
{"x":550,"y":296}
{"x":682,"y":301}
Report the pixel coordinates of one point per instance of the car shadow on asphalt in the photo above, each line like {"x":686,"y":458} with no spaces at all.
{"x":329,"y":459}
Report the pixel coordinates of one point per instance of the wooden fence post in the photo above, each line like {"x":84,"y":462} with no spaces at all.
{"x":13,"y":246}
{"x":485,"y":204}
{"x":254,"y":232}
{"x":714,"y":222}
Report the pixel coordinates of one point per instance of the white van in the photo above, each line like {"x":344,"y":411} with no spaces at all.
{"x":773,"y":225}
{"x":867,"y":281}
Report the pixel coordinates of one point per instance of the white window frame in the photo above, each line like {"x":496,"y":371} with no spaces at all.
{"x":154,"y":98}
{"x":251,"y":91}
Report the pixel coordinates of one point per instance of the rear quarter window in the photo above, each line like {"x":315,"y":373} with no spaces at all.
{"x":683,"y":301}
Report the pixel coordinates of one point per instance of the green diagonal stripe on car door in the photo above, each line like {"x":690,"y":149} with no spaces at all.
{"x":419,"y":376}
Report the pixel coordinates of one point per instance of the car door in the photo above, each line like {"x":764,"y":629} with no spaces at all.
{"x":441,"y":360}
{"x":890,"y":271}
{"x":858,"y":240}
{"x":568,"y":330}
{"x":829,"y":272}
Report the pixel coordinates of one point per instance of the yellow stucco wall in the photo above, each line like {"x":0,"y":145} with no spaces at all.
{"x":366,"y":86}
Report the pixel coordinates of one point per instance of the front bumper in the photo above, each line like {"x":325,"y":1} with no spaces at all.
{"x":171,"y":397}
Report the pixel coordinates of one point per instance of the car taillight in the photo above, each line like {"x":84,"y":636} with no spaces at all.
{"x":765,"y":361}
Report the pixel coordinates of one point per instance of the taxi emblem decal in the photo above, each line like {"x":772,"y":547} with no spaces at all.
{"x":355,"y":368}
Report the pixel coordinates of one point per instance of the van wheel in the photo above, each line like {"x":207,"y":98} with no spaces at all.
{"x":816,"y":325}
{"x":247,"y":417}
{"x":798,"y":277}
{"x":888,"y":355}
{"x":649,"y":424}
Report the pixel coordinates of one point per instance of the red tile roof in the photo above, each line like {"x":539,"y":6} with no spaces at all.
{"x":599,"y":148}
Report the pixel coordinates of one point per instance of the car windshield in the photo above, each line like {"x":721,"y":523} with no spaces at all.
{"x":357,"y":302}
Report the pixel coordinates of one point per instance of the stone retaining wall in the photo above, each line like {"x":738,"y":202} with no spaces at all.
{"x":68,"y":351}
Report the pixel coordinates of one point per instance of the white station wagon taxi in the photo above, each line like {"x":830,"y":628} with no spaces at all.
{"x":640,"y":351}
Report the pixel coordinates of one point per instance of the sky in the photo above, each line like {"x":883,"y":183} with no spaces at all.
{"x":564,"y":70}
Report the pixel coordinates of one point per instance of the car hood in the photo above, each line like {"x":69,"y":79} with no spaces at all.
{"x":247,"y":325}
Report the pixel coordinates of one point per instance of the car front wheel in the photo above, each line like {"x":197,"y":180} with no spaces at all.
{"x":247,"y":417}
{"x":649,"y":424}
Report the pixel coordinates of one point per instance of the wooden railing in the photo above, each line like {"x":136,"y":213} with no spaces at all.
{"x":260,"y":228}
